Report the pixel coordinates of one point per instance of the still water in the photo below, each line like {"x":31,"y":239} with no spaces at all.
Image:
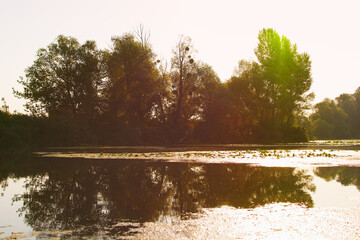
{"x":82,"y":198}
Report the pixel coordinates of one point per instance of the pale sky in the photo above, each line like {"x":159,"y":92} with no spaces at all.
{"x":223,"y":32}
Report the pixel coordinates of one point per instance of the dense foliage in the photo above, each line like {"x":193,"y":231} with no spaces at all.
{"x":267,"y":95}
{"x":336,"y":119}
{"x":78,"y":94}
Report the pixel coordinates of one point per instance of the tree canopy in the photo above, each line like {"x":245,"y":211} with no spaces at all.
{"x":336,"y":119}
{"x":125,"y":95}
{"x":270,"y":92}
{"x":65,"y":78}
{"x":286,"y":74}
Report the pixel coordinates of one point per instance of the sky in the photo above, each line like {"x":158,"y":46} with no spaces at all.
{"x":223,"y":33}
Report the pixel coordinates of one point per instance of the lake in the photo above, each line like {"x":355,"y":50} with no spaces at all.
{"x":242,"y":192}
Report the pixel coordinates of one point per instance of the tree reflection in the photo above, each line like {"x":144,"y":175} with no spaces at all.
{"x":63,"y":196}
{"x":149,"y":191}
{"x":243,"y":186}
{"x":78,"y":194}
{"x":344,"y":175}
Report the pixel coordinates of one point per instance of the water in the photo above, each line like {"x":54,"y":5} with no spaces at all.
{"x":74,"y":198}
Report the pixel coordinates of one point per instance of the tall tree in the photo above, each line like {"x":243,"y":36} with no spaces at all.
{"x":183,"y":68}
{"x":285,"y":72}
{"x":65,"y":78}
{"x":194,"y":88}
{"x":249,"y":95}
{"x":214,"y":124}
{"x":163,"y":97}
{"x":131,"y":79}
{"x":130,"y":92}
{"x":268,"y":93}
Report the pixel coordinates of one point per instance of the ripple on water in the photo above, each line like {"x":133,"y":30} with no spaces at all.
{"x":273,"y":221}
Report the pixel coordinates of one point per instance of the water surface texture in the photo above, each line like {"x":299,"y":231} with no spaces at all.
{"x":138,"y":198}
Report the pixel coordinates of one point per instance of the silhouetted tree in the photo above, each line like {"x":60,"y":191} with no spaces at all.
{"x":270,"y":92}
{"x":183,"y":71}
{"x":126,"y":96}
{"x":65,"y":78}
{"x":130,"y":88}
{"x":249,"y":99}
{"x":212,"y":124}
{"x":329,"y":121}
{"x":4,"y":107}
{"x":350,"y":104}
{"x":337,"y":119}
{"x":63,"y":85}
{"x":285,"y":72}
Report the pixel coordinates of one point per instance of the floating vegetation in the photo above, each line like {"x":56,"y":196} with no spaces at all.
{"x":337,"y":142}
{"x":15,"y":235}
{"x":316,"y":153}
{"x":209,"y":155}
{"x":56,"y":234}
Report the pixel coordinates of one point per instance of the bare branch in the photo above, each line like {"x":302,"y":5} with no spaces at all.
{"x":142,"y":36}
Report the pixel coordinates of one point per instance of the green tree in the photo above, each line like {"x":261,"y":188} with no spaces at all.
{"x":217,"y":123}
{"x":356,"y":115}
{"x":163,"y":97}
{"x":4,"y":108}
{"x":130,"y":87}
{"x":286,"y":74}
{"x":65,"y":78}
{"x":131,"y":78}
{"x":336,"y":119}
{"x":202,"y":94}
{"x":329,"y":121}
{"x":268,"y":94}
{"x":250,"y":100}
{"x":350,"y":104}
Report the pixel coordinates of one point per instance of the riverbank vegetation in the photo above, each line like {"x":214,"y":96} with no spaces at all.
{"x":336,"y":119}
{"x":78,"y":94}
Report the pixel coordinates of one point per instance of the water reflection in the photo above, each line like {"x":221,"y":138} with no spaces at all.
{"x":91,"y":195}
{"x":344,"y":175}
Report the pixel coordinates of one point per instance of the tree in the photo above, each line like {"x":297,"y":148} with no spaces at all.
{"x":286,"y":74}
{"x":270,"y":92}
{"x":183,"y":68}
{"x":203,"y":91}
{"x":131,"y":83}
{"x":63,"y":86}
{"x":193,"y":87}
{"x":350,"y":104}
{"x":142,"y":36}
{"x":337,"y":119}
{"x":216,"y":123}
{"x":163,"y":99}
{"x":250,"y":99}
{"x":356,"y":115}
{"x":131,"y":78}
{"x":4,"y":108}
{"x":65,"y":78}
{"x":329,"y":121}
{"x":201,"y":94}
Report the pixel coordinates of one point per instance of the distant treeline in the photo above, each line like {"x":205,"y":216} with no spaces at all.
{"x":78,"y":94}
{"x":336,"y":119}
